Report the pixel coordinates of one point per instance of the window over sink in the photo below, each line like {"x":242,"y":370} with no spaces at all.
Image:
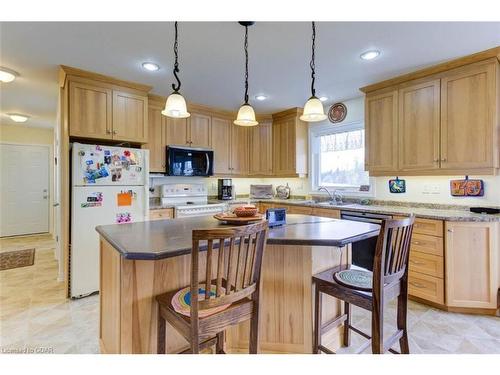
{"x":338,"y":158}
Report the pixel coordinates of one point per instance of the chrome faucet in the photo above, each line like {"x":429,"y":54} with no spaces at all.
{"x":336,"y":197}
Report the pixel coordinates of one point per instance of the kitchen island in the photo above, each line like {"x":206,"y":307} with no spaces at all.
{"x":141,"y":260}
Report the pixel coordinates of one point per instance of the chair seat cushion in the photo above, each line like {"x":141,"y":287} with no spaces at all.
{"x":181,"y":301}
{"x":354,"y":278}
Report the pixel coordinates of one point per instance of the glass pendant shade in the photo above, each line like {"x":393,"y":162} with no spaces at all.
{"x":246,"y":116}
{"x":175,"y":106}
{"x":313,"y":111}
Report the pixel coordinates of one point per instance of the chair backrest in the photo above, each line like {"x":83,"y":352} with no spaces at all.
{"x":392,"y":251}
{"x":235,"y":269}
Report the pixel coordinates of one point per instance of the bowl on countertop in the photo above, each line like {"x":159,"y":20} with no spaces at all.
{"x":245,"y":211}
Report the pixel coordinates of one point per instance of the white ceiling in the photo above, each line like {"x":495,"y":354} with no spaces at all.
{"x":211,"y":58}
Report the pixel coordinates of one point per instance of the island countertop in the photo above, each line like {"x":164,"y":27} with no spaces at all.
{"x":151,"y":240}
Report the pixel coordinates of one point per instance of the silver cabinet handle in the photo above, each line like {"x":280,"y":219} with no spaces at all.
{"x":55,"y":205}
{"x":417,"y":285}
{"x":108,"y":131}
{"x":416,"y":262}
{"x":115,"y":132}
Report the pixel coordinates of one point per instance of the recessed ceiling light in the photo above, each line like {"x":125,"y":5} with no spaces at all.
{"x":17,"y":117}
{"x":152,"y":67}
{"x":7,"y":75}
{"x":370,"y":55}
{"x":323,"y":98}
{"x":261,"y":97}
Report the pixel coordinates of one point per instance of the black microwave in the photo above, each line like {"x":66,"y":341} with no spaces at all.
{"x":189,"y":161}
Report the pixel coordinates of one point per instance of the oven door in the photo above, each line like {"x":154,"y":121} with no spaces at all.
{"x":189,"y":161}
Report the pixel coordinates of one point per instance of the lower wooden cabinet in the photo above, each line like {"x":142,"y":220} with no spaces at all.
{"x":426,"y":287}
{"x":472,"y":264}
{"x":326,"y":212}
{"x":161,"y":214}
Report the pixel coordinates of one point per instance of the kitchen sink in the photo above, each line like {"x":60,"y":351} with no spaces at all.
{"x":334,"y":204}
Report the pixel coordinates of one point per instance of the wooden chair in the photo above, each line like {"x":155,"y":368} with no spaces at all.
{"x":231,"y":277}
{"x":388,"y":281}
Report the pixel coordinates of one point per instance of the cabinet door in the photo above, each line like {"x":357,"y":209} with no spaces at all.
{"x":468,"y":117}
{"x":199,"y":130}
{"x":176,"y":131}
{"x":419,"y":120}
{"x":381,"y":131}
{"x":239,"y":150}
{"x":90,"y":110}
{"x":130,"y":117}
{"x":472,"y":251}
{"x":260,"y":149}
{"x":284,"y":147}
{"x":156,"y":145}
{"x":221,"y":138}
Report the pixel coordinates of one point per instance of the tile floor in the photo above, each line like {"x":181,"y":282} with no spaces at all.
{"x":35,"y":316}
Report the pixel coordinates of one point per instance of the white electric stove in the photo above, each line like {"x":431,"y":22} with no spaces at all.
{"x":189,"y":200}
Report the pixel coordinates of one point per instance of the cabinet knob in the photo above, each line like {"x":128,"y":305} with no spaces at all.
{"x":108,"y":131}
{"x":115,"y":132}
{"x":444,"y":159}
{"x":417,"y":285}
{"x":436,"y":160}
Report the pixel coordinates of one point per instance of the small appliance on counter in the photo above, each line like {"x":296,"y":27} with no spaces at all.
{"x":283,"y":192}
{"x":225,"y":189}
{"x":276,"y":216}
{"x":485,"y":210}
{"x":261,"y":191}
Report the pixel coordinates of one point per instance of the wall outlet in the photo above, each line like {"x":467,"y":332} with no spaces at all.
{"x":431,"y":189}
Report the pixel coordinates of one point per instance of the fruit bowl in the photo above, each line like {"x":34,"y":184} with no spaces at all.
{"x":245,"y":211}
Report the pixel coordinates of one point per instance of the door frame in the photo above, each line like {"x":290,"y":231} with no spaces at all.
{"x":50,"y":148}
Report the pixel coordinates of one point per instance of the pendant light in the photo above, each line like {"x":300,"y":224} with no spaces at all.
{"x":246,"y":114}
{"x":176,"y":105}
{"x":313,"y":110}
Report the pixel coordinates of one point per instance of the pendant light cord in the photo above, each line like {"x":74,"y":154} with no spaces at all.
{"x":312,"y":65}
{"x":176,"y":63}
{"x":246,"y":64}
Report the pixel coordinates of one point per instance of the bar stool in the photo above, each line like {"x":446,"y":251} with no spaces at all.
{"x":370,"y":291}
{"x":229,"y":291}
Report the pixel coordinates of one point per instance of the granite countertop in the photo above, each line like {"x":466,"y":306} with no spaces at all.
{"x":430,"y":211}
{"x":150,"y":240}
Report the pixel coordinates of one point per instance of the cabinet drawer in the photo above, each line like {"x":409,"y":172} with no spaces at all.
{"x":299,"y":210}
{"x":429,"y":227}
{"x":431,"y":265}
{"x":263,"y":207}
{"x":427,"y":244}
{"x":426,"y":287}
{"x":161,"y":214}
{"x":326,"y":212}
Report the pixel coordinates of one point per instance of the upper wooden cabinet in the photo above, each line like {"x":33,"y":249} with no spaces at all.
{"x":443,"y":124}
{"x":381,"y":131}
{"x":239,"y":150}
{"x":199,"y":126}
{"x":468,"y":118}
{"x":156,"y":143}
{"x":289,"y":144}
{"x":221,"y":140}
{"x":261,"y":149}
{"x":419,"y":111}
{"x":176,"y":131}
{"x":100,"y":107}
{"x":130,"y":117}
{"x":90,"y":111}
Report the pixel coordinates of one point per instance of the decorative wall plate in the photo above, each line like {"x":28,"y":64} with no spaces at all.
{"x":337,"y":112}
{"x":467,"y":188}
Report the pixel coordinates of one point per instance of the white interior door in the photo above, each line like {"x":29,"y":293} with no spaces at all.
{"x":24,"y":189}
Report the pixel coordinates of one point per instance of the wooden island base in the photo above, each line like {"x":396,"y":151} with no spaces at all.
{"x":128,"y":315}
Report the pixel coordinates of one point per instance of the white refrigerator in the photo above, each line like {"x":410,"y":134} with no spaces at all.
{"x":109,"y":186}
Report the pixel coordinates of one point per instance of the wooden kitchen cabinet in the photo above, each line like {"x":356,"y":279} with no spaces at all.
{"x":419,"y":124}
{"x":261,"y":149}
{"x":130,"y":117}
{"x":289,"y":144}
{"x":221,"y":139}
{"x":161,"y":214}
{"x":239,"y":150}
{"x":176,"y":131}
{"x":326,"y":212}
{"x":199,"y":128}
{"x":90,"y":111}
{"x":381,"y":131}
{"x":156,"y":143}
{"x":472,"y":264}
{"x":469,"y":125}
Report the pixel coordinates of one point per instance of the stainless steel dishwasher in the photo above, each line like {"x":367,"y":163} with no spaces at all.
{"x":363,"y":251}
